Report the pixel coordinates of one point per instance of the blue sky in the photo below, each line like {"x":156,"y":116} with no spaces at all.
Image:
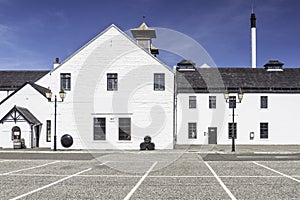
{"x":34,"y":32}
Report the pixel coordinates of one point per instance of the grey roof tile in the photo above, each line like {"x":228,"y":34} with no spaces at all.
{"x":248,"y":79}
{"x":12,"y":80}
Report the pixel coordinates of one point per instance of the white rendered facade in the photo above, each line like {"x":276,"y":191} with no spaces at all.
{"x":149,"y":111}
{"x":112,"y":84}
{"x":281,"y":115}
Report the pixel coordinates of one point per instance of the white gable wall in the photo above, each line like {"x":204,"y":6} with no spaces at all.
{"x":112,"y":52}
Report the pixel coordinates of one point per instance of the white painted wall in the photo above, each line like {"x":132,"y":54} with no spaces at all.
{"x":151,"y":112}
{"x":4,"y":94}
{"x":282,"y":115}
{"x":6,"y":134}
{"x":37,"y":104}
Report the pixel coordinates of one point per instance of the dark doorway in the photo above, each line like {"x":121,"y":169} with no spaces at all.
{"x":212,"y":135}
{"x":37,"y":135}
{"x":15,"y":133}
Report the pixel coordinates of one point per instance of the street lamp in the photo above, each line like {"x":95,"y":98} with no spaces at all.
{"x":232,"y":104}
{"x":62,"y":95}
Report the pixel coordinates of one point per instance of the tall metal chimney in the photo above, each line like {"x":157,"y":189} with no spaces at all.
{"x":253,"y":40}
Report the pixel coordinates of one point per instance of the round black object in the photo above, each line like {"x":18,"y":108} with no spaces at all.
{"x":151,"y":146}
{"x":147,"y":139}
{"x":66,"y":140}
{"x":143,"y":146}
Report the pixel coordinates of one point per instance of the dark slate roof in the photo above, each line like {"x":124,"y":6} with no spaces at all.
{"x":24,"y":112}
{"x":40,"y":89}
{"x":11,"y":80}
{"x":257,"y":80}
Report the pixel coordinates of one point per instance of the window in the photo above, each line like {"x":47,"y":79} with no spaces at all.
{"x":48,"y":131}
{"x":159,"y":82}
{"x":192,"y":130}
{"x":212,"y":102}
{"x":99,"y":129}
{"x":230,"y":127}
{"x":232,"y":102}
{"x":192,"y":102}
{"x":263,"y":102}
{"x":112,"y":82}
{"x":124,"y":129}
{"x":264,"y":129}
{"x":65,"y":81}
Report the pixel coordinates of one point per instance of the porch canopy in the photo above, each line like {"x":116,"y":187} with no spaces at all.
{"x":20,"y":114}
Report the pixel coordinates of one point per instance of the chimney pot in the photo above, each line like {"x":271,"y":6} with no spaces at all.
{"x":56,"y":63}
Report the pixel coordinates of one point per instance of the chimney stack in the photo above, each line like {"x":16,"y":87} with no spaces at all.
{"x":253,"y":40}
{"x":56,"y":63}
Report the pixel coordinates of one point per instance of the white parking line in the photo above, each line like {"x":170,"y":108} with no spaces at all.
{"x":104,"y":163}
{"x":135,"y":176}
{"x":220,"y":181}
{"x":273,"y":170}
{"x":24,"y":169}
{"x":51,"y":184}
{"x":140,"y":182}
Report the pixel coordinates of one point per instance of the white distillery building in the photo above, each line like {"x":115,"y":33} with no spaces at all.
{"x":116,"y":93}
{"x":267,"y":114}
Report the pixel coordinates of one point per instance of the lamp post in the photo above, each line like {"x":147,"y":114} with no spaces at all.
{"x":232,"y":104}
{"x":62,"y":95}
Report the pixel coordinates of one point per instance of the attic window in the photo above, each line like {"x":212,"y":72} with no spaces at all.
{"x":65,"y":81}
{"x":159,"y":82}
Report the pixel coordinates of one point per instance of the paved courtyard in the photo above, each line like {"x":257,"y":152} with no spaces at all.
{"x":148,"y":175}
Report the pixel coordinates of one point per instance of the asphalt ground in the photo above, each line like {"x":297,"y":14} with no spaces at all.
{"x":50,"y":155}
{"x":148,"y":175}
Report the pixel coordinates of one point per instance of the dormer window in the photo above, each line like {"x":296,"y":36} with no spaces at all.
{"x":274,"y":65}
{"x":65,"y":81}
{"x":186,"y":65}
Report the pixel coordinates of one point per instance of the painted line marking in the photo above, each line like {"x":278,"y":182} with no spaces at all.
{"x":20,"y":170}
{"x":286,"y":156}
{"x":153,"y":176}
{"x":135,"y":176}
{"x":254,"y":156}
{"x":220,"y":181}
{"x":269,"y":156}
{"x":51,"y":184}
{"x":250,"y":176}
{"x":273,"y":170}
{"x":103,"y":163}
{"x":140,"y":182}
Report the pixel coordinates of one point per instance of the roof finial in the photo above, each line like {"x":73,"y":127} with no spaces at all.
{"x":144,"y":18}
